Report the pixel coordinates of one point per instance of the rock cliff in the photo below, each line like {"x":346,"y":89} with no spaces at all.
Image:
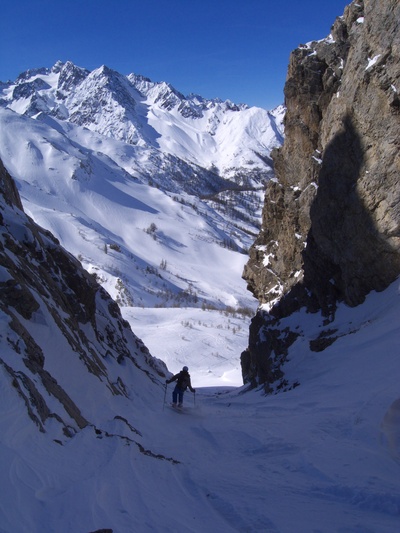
{"x":331,"y":219}
{"x":61,"y":335}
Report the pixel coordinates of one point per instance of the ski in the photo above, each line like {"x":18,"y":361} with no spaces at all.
{"x":180,"y":410}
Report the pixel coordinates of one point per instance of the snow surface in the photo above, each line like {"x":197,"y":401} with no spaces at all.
{"x":89,"y":203}
{"x":324,"y":456}
{"x":372,"y":61}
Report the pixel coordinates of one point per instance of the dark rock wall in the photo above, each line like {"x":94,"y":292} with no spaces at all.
{"x":331,"y":220}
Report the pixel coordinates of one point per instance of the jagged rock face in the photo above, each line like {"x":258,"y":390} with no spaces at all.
{"x":331,"y":220}
{"x":355,"y":218}
{"x":338,"y":171}
{"x":70,"y":77}
{"x":45,"y":293}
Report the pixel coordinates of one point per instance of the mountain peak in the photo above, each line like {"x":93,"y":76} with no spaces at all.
{"x":70,"y":76}
{"x":30,"y":73}
{"x":136,"y":110}
{"x":58,"y":66}
{"x":82,"y":133}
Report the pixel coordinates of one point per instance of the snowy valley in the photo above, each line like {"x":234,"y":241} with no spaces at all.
{"x":159,"y":196}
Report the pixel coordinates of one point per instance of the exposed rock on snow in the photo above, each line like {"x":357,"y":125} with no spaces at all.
{"x":45,"y":293}
{"x":335,"y":216}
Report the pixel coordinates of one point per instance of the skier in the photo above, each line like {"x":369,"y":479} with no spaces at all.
{"x":182,"y":383}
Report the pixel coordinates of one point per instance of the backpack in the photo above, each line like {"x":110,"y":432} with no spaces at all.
{"x":183,"y":381}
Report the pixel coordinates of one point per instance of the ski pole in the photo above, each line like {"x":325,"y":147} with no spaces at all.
{"x":194,"y":398}
{"x":165,"y":395}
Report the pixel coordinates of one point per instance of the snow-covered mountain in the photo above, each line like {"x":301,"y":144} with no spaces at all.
{"x":87,"y":440}
{"x":84,"y":148}
{"x":157,"y":195}
{"x":232,"y":141}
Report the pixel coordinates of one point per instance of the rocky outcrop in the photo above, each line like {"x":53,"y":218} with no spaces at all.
{"x":331,"y":220}
{"x":58,"y":324}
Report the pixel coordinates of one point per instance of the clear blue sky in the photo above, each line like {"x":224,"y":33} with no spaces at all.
{"x":231,"y":49}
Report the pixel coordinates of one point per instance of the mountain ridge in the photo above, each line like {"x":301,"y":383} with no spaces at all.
{"x":89,"y":139}
{"x":130,"y":108}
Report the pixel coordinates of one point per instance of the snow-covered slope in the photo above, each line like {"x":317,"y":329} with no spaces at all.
{"x":145,"y":245}
{"x":230,"y":139}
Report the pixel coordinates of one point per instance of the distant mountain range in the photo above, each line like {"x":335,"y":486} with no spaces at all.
{"x":232,"y":141}
{"x":139,"y":182}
